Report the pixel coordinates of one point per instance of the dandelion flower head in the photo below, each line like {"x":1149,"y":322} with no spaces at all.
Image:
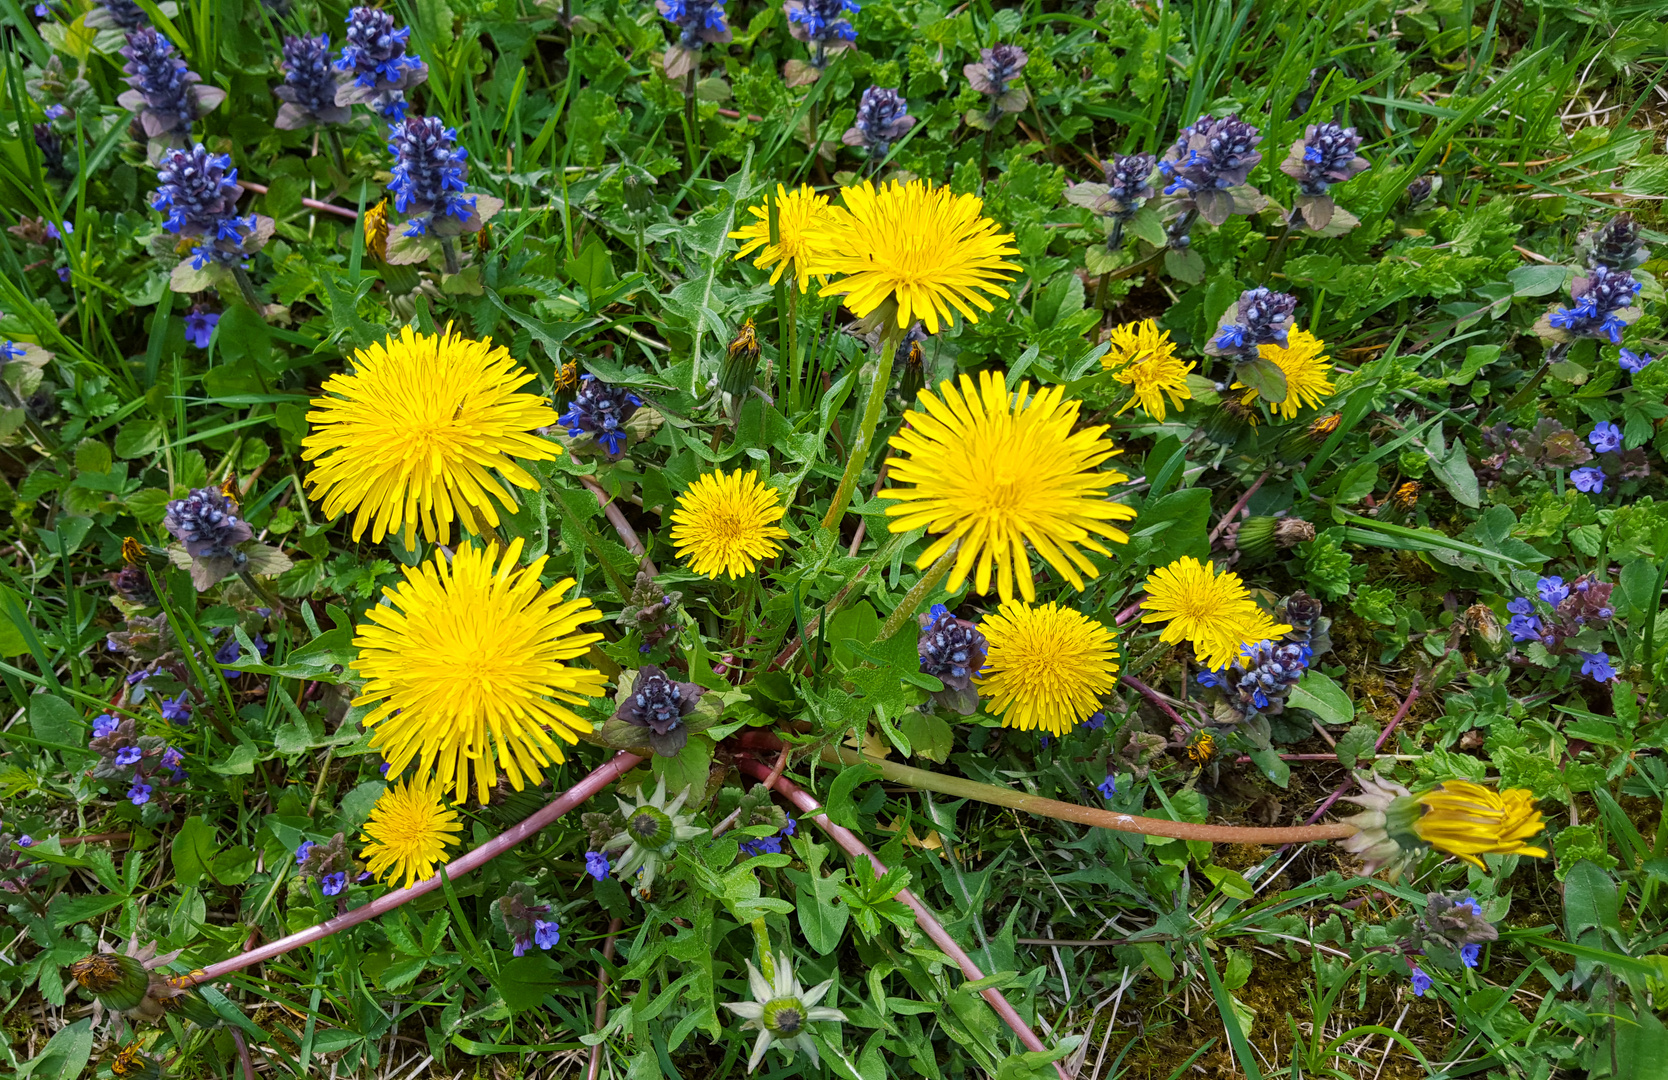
{"x":422,"y":431}
{"x":925,"y":247}
{"x":408,"y":832}
{"x":1047,"y":667}
{"x":1307,"y":371}
{"x":1143,"y":357}
{"x":995,"y":472}
{"x":466,"y":667}
{"x":798,"y":213}
{"x":727,"y":523}
{"x":1468,"y":820}
{"x":1212,"y":611}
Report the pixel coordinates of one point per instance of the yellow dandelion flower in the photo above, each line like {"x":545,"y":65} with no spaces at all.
{"x":726,"y":524}
{"x":799,"y":213}
{"x":376,"y":230}
{"x":1212,"y":611}
{"x":1469,"y":820}
{"x":1306,"y":371}
{"x":993,"y":472}
{"x":924,"y":247}
{"x":409,"y":832}
{"x":1143,"y":356}
{"x":421,"y":432}
{"x":1047,"y":666}
{"x":465,"y":665}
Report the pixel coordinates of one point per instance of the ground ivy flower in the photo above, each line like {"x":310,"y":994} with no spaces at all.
{"x":332,"y":884}
{"x":653,"y":829}
{"x":799,"y":214}
{"x":781,"y":1010}
{"x":1606,"y":438}
{"x":309,"y":90}
{"x":1597,"y":666}
{"x":1470,"y":953}
{"x":546,"y":933}
{"x":466,"y":667}
{"x":409,"y":831}
{"x":727,"y":524}
{"x":428,"y":172}
{"x":164,"y":92}
{"x":128,"y":755}
{"x":600,"y":410}
{"x":1144,"y":358}
{"x":374,"y":53}
{"x":303,"y":851}
{"x":1552,"y":589}
{"x":420,"y":433}
{"x":1589,"y":479}
{"x":660,"y":705}
{"x":596,"y":864}
{"x":915,"y":248}
{"x":1107,"y":787}
{"x":1522,"y":605}
{"x":1524,"y":628}
{"x":882,"y":119}
{"x":140,"y":793}
{"x":1603,"y":306}
{"x":1307,"y":370}
{"x":1048,"y":666}
{"x":1421,"y":981}
{"x":199,"y":327}
{"x":1632,"y":363}
{"x":998,"y":473}
{"x":104,"y":725}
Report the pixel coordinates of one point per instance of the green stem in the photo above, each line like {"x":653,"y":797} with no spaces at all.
{"x":912,"y":599}
{"x":1274,"y":253}
{"x":692,"y":117}
{"x":641,"y":225}
{"x":449,"y":249}
{"x":333,"y":143}
{"x":858,"y":454}
{"x":761,"y":937}
{"x":792,"y":362}
{"x":247,"y":288}
{"x":259,"y":590}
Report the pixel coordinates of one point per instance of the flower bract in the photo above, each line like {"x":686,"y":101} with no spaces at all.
{"x":781,"y":1009}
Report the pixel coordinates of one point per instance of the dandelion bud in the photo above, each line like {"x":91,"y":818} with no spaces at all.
{"x":118,"y":982}
{"x":1256,"y":537}
{"x":741,"y":365}
{"x":1421,"y":189}
{"x":638,"y":191}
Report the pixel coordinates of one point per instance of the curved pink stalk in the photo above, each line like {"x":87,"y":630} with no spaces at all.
{"x":855,"y":847}
{"x":599,"y":778}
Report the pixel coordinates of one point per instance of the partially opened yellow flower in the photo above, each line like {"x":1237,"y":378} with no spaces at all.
{"x":1212,"y":611}
{"x":798,"y":213}
{"x":408,"y":832}
{"x":1143,"y":357}
{"x":1307,"y":372}
{"x":926,"y":248}
{"x":1047,"y":666}
{"x":422,"y":431}
{"x":466,"y":667}
{"x":1469,"y":820}
{"x":726,"y":524}
{"x":997,"y":472}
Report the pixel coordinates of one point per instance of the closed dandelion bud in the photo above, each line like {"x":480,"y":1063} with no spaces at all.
{"x":118,"y":982}
{"x":741,"y":364}
{"x":1483,"y":628}
{"x":376,"y":230}
{"x":1290,"y":532}
{"x":131,"y":1063}
{"x":1322,"y":427}
{"x":639,"y":194}
{"x":1256,"y":536}
{"x":1406,"y":497}
{"x":1421,"y":189}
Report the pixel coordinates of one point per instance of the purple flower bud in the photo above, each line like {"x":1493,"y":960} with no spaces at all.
{"x":26,"y":841}
{"x":164,"y":91}
{"x":206,"y":522}
{"x":309,"y":90}
{"x":1326,"y":155}
{"x":428,"y":171}
{"x":374,"y":53}
{"x":821,"y":23}
{"x":1211,"y":154}
{"x":882,"y":119}
{"x":600,"y":410}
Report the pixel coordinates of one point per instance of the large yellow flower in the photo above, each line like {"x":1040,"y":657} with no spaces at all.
{"x":1306,"y":369}
{"x":1047,"y":666}
{"x":798,"y":213}
{"x":725,"y":524}
{"x":994,"y":471}
{"x":422,"y":431}
{"x":1144,"y":357}
{"x":1469,"y":820}
{"x":465,"y":664}
{"x":925,"y":247}
{"x":1211,"y":610}
{"x":408,"y":832}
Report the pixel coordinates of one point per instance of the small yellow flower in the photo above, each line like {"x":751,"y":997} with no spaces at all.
{"x":1202,"y":747}
{"x":408,"y":833}
{"x":132,"y":553}
{"x":727,"y":524}
{"x":421,"y":432}
{"x":1406,"y":497}
{"x":924,"y":247}
{"x":1468,"y":820}
{"x":1144,"y":357}
{"x":1047,"y":666}
{"x":1306,"y":370}
{"x":376,"y":230}
{"x":997,"y":473}
{"x":798,"y":213}
{"x":465,"y":665}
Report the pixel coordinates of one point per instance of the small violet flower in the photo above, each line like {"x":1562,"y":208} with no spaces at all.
{"x":199,"y":327}
{"x":1598,"y":300}
{"x":546,"y":934}
{"x":596,"y":864}
{"x":1606,"y":438}
{"x":1597,"y":666}
{"x":1521,"y":606}
{"x":600,"y":410}
{"x":1552,"y":589}
{"x":331,"y":884}
{"x":140,"y":793}
{"x":303,"y":851}
{"x":428,"y":172}
{"x":1524,"y":628}
{"x":1589,"y":479}
{"x":1421,"y":981}
{"x":1469,"y":954}
{"x":1632,"y":363}
{"x":128,"y":755}
{"x":177,"y":710}
{"x":104,"y":725}
{"x":1107,"y":787}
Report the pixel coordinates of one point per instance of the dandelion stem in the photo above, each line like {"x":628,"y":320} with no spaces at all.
{"x":599,"y":778}
{"x":854,"y":847}
{"x":858,"y":453}
{"x":913,"y":598}
{"x":449,"y":250}
{"x":247,"y":288}
{"x":333,"y":143}
{"x":692,"y":117}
